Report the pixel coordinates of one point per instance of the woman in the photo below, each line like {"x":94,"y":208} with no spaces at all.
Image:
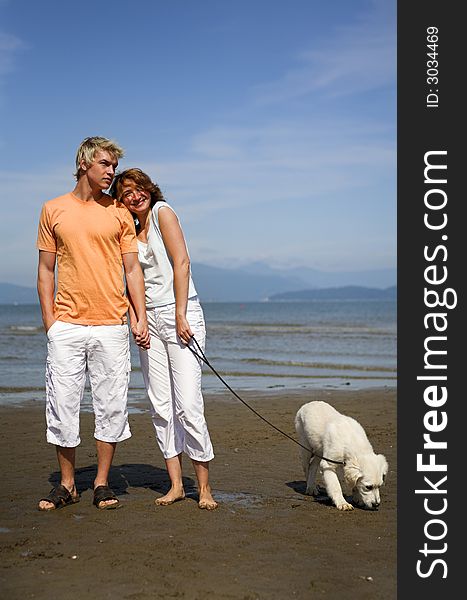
{"x":172,"y":374}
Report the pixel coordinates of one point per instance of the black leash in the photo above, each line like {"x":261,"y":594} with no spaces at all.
{"x":203,"y":358}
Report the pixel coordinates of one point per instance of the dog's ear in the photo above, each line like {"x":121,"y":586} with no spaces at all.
{"x":352,"y":471}
{"x":383,"y":465}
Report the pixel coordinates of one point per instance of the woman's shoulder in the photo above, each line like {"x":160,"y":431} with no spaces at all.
{"x":156,"y":209}
{"x":161,"y":204}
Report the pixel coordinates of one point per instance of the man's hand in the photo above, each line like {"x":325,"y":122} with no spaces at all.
{"x":141,"y":334}
{"x":48,"y":324}
{"x":135,"y":288}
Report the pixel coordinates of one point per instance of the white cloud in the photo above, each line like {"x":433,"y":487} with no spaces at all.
{"x":304,"y":156}
{"x":9,"y":46}
{"x":299,"y":161}
{"x":25,"y":191}
{"x":21,"y":197}
{"x":359,"y":58}
{"x":320,"y":168}
{"x":331,"y":181}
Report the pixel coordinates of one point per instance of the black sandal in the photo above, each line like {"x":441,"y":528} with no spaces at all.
{"x":103,"y":493}
{"x":59,"y":496}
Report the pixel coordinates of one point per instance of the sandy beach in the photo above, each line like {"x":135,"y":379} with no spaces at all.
{"x":267,"y":540}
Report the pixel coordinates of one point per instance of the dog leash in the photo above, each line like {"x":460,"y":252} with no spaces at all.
{"x":203,"y":358}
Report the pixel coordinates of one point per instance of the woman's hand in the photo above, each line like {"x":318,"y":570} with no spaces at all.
{"x":183,"y":328}
{"x":140,"y":334}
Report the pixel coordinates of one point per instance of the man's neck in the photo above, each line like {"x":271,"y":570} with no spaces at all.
{"x":83,"y":191}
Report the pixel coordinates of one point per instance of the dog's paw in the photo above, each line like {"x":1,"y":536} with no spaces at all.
{"x":312,"y":491}
{"x":344,"y":506}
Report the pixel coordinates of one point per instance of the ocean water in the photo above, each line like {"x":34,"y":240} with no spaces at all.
{"x":253,"y":346}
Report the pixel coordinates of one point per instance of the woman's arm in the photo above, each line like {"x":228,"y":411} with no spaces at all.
{"x":174,"y":241}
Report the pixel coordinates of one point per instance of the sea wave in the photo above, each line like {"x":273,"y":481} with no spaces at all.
{"x":316,"y":365}
{"x":10,"y":389}
{"x":25,"y":329}
{"x":298,"y":329}
{"x":304,"y":375}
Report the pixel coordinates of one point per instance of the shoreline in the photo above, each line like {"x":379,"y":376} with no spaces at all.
{"x":266,"y":541}
{"x":137,"y":400}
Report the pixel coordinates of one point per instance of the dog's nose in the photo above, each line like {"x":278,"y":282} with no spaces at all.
{"x":375,"y":505}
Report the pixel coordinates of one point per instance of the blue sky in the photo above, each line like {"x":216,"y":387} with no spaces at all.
{"x":270,"y":126}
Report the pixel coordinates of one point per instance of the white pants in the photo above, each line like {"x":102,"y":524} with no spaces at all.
{"x":102,"y":350}
{"x":172,"y":375}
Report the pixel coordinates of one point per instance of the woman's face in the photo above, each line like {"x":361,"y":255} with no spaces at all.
{"x":135,"y":198}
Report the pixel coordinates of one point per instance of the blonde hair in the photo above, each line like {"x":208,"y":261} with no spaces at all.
{"x":88,"y":148}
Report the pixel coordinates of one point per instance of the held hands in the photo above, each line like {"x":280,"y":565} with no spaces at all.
{"x":140,"y":333}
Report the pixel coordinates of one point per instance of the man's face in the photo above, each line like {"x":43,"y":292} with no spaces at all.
{"x":101,"y":171}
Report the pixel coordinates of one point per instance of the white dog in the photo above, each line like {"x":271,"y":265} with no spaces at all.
{"x":332,"y":436}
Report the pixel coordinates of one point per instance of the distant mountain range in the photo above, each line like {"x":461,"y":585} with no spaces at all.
{"x":306,"y":277}
{"x":259,"y":282}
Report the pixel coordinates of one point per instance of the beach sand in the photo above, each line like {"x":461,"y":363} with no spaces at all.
{"x":267,"y":540}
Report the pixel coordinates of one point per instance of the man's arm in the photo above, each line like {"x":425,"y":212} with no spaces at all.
{"x":135,"y":284}
{"x":46,"y":286}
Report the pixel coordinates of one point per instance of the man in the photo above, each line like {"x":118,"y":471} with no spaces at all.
{"x":91,"y":238}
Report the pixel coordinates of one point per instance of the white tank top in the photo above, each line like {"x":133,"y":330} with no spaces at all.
{"x":157,"y":265}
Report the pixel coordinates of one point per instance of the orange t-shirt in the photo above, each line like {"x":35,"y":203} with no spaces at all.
{"x":89,"y":238}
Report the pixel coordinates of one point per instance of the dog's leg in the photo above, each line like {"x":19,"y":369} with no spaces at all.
{"x":305,"y":458}
{"x":334,"y":490}
{"x":311,"y":488}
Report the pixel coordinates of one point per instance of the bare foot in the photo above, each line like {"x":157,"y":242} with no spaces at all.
{"x":206,"y":500}
{"x":173,"y":495}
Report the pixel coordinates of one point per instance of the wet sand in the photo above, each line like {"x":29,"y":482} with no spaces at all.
{"x":267,"y":540}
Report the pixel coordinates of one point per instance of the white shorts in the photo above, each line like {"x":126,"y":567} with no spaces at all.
{"x":173,"y":380}
{"x":104,"y":352}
